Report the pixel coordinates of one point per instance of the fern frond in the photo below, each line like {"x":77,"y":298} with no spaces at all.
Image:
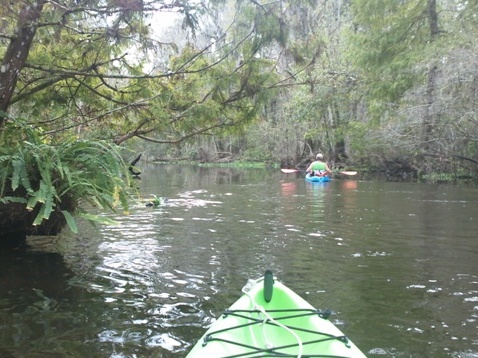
{"x":51,"y":179}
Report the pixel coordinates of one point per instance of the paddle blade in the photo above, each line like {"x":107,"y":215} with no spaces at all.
{"x":289,"y":171}
{"x":348,"y":173}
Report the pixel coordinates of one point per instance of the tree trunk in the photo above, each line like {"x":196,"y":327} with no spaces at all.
{"x":17,"y":53}
{"x":429,"y":117}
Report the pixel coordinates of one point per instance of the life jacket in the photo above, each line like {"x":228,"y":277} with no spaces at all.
{"x":318,"y":169}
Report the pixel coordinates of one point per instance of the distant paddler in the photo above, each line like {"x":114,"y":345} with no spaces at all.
{"x":318,"y":167}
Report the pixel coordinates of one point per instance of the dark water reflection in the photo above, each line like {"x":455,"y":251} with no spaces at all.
{"x":395,"y":261}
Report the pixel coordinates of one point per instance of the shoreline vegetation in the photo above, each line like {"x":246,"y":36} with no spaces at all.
{"x":371,"y":173}
{"x":89,"y":90}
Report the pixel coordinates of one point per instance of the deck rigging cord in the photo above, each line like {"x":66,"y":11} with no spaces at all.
{"x":258,"y":315}
{"x":269,"y":318}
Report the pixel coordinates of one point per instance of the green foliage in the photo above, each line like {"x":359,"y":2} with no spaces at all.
{"x":52,"y":178}
{"x":237,"y":164}
{"x":438,"y":177}
{"x":259,"y":154}
{"x":310,"y":74}
{"x":386,"y":47}
{"x":156,"y":201}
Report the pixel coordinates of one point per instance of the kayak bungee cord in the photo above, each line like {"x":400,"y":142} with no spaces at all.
{"x":302,"y":340}
{"x":276,"y":350}
{"x":269,"y":318}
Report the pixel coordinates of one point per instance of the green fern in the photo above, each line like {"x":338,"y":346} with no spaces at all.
{"x":51,"y":178}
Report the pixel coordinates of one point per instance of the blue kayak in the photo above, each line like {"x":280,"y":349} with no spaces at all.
{"x":316,"y":179}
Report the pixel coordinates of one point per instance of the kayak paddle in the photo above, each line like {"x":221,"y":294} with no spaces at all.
{"x":289,"y":171}
{"x":348,"y":172}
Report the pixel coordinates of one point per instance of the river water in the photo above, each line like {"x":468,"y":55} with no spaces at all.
{"x":396,"y":262}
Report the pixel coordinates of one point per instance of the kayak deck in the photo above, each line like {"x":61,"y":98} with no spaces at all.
{"x":271,"y":320}
{"x":316,"y":179}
